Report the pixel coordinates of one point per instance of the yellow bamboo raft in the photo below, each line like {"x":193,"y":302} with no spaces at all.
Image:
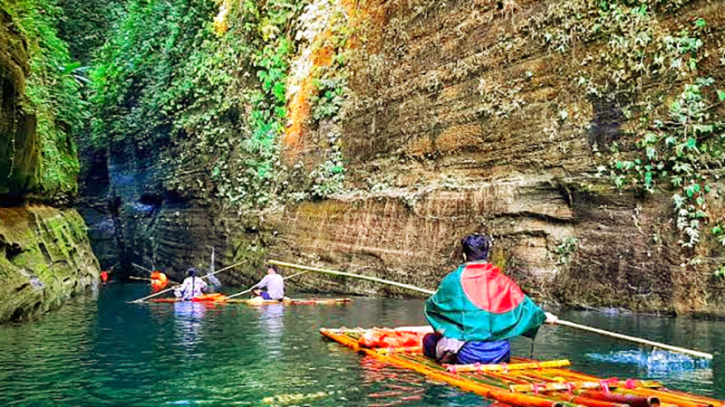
{"x":529,"y":383}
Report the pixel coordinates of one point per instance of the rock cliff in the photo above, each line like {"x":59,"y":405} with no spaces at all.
{"x":19,"y":144}
{"x":46,"y":259}
{"x":45,"y":255}
{"x":525,"y":120}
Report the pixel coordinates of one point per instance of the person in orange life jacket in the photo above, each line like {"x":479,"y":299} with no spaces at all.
{"x":191,"y":287}
{"x":106,"y":274}
{"x":159,"y":281}
{"x":477,"y":309}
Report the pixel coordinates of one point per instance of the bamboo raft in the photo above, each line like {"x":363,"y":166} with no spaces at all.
{"x":293,"y":301}
{"x":287,"y":301}
{"x":528,"y":383}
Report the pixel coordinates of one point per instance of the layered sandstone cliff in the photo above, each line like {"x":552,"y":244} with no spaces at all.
{"x":461,"y":117}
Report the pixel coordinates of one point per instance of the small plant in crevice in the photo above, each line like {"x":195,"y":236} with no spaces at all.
{"x":330,"y":98}
{"x":720,"y":272}
{"x":565,"y":249}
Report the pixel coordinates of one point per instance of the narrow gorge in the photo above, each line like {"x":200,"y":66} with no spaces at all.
{"x":370,"y":136}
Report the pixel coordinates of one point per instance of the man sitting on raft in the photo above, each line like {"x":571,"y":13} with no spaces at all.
{"x":192,"y":286}
{"x":274,"y":284}
{"x":477,"y":309}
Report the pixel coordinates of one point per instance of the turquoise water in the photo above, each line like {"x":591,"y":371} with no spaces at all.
{"x":110,"y":353}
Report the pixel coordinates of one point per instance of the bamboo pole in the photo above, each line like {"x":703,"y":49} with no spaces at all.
{"x":559,"y":386}
{"x":148,"y":279}
{"x":634,"y":339}
{"x":632,"y":400}
{"x":680,"y":401}
{"x":171,"y":288}
{"x":341,"y":273}
{"x":141,"y":267}
{"x":695,"y":397}
{"x":505,"y":368}
{"x":559,"y":321}
{"x":255,"y":286}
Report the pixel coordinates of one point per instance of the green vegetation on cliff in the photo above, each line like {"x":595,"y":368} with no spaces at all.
{"x":51,"y":96}
{"x":209,"y":81}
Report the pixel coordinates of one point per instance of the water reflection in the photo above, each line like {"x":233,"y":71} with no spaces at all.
{"x":189,"y":317}
{"x":272,"y":324}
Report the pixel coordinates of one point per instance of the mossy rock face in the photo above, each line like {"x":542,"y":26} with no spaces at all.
{"x":19,"y":150}
{"x":45,"y":258}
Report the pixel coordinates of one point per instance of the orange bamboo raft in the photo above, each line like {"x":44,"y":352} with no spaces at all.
{"x":528,"y":383}
{"x":294,"y":301}
{"x":287,"y":301}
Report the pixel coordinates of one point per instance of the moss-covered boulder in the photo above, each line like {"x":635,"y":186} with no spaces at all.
{"x":45,"y":258}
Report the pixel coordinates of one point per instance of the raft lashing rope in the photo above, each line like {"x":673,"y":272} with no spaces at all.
{"x":655,"y":361}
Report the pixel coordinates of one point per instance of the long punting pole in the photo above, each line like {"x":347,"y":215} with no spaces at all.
{"x":147,"y":279}
{"x":254,"y":286}
{"x":341,"y":273}
{"x":560,"y":321}
{"x":638,"y":340}
{"x":171,"y":288}
{"x":141,"y":267}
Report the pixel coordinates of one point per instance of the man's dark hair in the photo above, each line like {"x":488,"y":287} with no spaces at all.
{"x":477,"y":247}
{"x":191,"y":272}
{"x":271,"y":266}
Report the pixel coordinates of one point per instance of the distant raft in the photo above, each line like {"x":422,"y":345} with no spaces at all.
{"x":293,"y":301}
{"x":523,"y":382}
{"x":214,"y":297}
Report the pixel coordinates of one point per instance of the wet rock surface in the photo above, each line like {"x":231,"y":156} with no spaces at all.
{"x":45,"y":258}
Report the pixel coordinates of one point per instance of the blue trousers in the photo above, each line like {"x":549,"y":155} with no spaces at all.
{"x":472,"y":352}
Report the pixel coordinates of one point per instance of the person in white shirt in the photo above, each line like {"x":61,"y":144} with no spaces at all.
{"x":192,"y":286}
{"x":274,"y":285}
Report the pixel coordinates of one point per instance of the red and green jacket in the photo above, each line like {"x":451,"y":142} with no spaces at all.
{"x":478,"y":303}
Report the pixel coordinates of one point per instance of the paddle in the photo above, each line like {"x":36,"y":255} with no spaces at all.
{"x":171,"y":288}
{"x":255,"y":286}
{"x":558,"y":321}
